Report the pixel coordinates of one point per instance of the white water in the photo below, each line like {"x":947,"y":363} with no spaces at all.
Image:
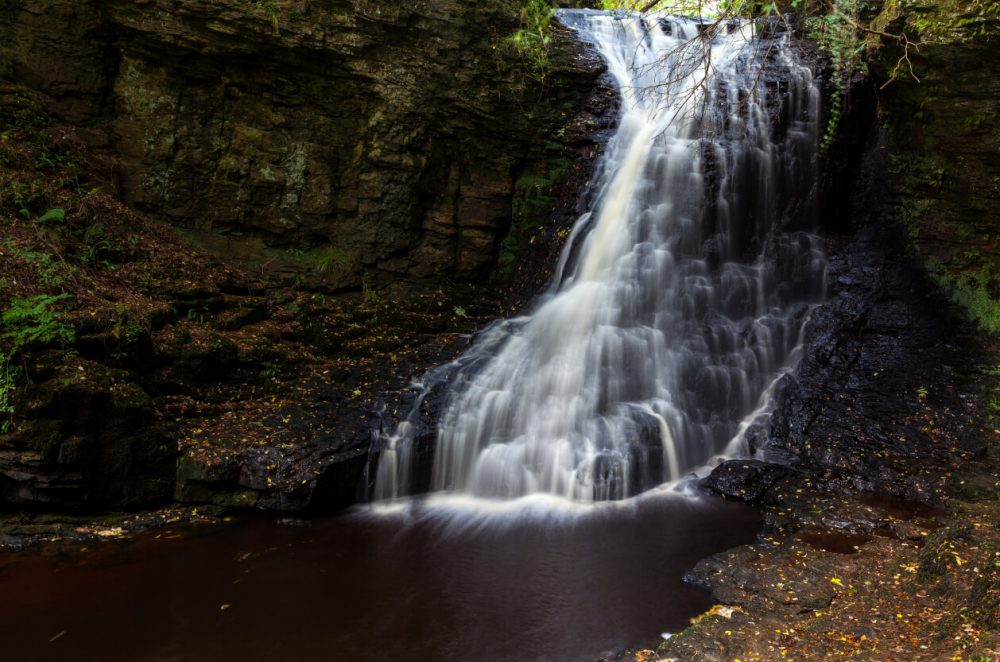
{"x":682,"y":294}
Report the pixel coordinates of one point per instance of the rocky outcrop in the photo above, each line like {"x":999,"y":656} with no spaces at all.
{"x":94,"y":440}
{"x":62,"y":49}
{"x":874,"y":404}
{"x":380,"y":138}
{"x":935,"y":165}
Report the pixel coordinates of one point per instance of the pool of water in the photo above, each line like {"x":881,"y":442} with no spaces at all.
{"x":431,"y":579}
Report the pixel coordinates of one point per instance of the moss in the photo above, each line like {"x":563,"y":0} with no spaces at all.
{"x":941,"y":134}
{"x":532,"y":202}
{"x":976,"y":293}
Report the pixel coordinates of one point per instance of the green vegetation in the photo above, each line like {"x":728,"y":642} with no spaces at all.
{"x":682,"y":7}
{"x":50,"y":271}
{"x":531,"y":41}
{"x":271,"y":9}
{"x":962,"y":20}
{"x":528,"y":47}
{"x":33,"y":321}
{"x":9,"y":376}
{"x":53,"y":216}
{"x":532,"y":202}
{"x":30,"y":322}
{"x":992,"y":374}
{"x":969,"y":276}
{"x":838,"y":32}
{"x":323,"y":259}
{"x":973,"y":291}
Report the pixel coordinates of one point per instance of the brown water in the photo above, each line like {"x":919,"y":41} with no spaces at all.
{"x":448,"y":582}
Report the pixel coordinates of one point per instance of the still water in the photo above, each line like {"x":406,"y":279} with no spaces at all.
{"x":438,"y":579}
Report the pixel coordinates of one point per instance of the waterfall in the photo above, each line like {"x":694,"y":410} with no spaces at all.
{"x":682,"y":294}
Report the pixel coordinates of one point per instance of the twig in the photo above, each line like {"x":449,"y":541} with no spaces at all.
{"x":900,"y":39}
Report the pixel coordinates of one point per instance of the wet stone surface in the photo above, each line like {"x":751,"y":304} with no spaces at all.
{"x":878,"y":482}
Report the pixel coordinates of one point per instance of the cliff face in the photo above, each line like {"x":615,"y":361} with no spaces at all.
{"x":369,"y":137}
{"x":934,"y":162}
{"x":60,"y":48}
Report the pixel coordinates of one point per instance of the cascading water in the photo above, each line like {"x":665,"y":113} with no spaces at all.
{"x":681,"y":297}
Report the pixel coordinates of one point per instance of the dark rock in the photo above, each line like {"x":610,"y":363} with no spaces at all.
{"x":384,"y":139}
{"x":744,"y":480}
{"x":63,"y":49}
{"x":89,"y":439}
{"x":856,"y":409}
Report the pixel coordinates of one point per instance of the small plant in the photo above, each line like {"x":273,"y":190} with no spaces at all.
{"x":272,"y":10}
{"x":9,"y":375}
{"x":323,"y":259}
{"x":27,"y":322}
{"x":368,"y":293}
{"x":328,"y":258}
{"x":95,"y":243}
{"x":269,"y":370}
{"x":459,"y":311}
{"x":993,"y":395}
{"x":52,"y":216}
{"x":32,"y":321}
{"x":198,"y":314}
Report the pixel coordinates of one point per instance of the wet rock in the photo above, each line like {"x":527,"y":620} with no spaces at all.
{"x":758,"y":576}
{"x":744,"y":480}
{"x":854,"y":411}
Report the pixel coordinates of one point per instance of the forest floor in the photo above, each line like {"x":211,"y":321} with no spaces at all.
{"x":922,"y":584}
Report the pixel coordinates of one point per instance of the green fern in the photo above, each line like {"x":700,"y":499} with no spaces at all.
{"x":27,"y":322}
{"x":31,"y":321}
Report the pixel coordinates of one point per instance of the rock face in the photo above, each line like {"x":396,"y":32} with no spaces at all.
{"x":93,"y":441}
{"x":61,"y":48}
{"x":339,"y":142}
{"x":875,"y":404}
{"x":380,"y":138}
{"x":935,"y":165}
